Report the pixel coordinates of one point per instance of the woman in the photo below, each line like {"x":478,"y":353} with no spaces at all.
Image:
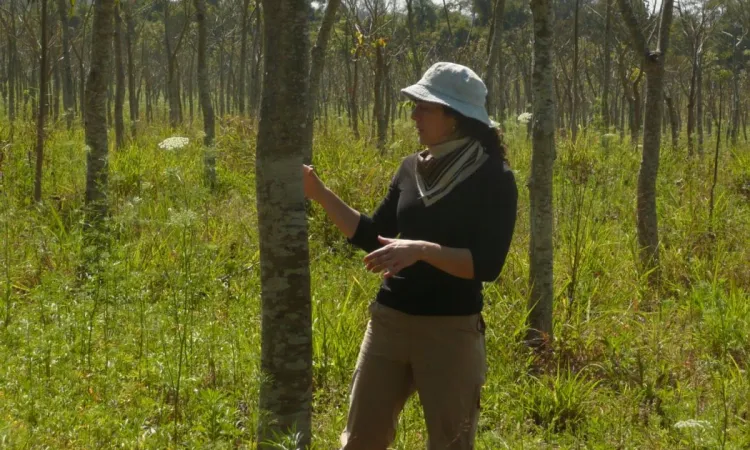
{"x":444,"y":227}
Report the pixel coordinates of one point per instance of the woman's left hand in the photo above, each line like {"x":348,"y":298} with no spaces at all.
{"x":396,"y":254}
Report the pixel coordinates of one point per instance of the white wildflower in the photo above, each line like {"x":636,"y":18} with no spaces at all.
{"x":173,"y":143}
{"x":524,"y":118}
{"x":691,"y":423}
{"x":182,"y":218}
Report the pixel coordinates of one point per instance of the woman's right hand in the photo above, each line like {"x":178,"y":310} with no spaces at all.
{"x":313,"y":186}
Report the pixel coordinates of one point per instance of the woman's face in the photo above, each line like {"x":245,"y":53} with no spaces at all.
{"x":433,"y":124}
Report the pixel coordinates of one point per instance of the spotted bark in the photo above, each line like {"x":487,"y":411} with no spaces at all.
{"x":95,"y":118}
{"x":540,"y":182}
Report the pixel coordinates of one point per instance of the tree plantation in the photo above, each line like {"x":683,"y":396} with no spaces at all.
{"x":165,"y":283}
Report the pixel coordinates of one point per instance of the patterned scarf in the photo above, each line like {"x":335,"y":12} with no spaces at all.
{"x":443,"y":167}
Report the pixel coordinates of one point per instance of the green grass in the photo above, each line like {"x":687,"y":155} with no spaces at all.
{"x":160,"y":347}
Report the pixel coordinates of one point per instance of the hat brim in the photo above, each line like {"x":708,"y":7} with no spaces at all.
{"x":423,"y":93}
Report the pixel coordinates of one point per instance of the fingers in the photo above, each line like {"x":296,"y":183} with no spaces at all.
{"x":388,"y":269}
{"x":390,"y":259}
{"x":379,"y":263}
{"x":383,"y":260}
{"x":376,"y":254}
{"x":385,"y":240}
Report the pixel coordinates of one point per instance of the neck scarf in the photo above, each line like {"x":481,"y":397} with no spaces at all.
{"x":443,"y":167}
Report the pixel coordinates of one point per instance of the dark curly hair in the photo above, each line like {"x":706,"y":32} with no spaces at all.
{"x":489,"y":137}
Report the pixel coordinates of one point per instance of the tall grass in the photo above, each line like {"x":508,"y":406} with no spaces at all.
{"x":159,"y":346}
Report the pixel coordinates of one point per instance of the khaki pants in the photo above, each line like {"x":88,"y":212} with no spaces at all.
{"x":441,"y":358}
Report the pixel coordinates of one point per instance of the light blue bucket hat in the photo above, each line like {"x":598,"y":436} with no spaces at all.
{"x":454,"y":86}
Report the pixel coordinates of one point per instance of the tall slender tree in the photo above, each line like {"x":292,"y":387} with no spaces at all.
{"x":173,"y":75}
{"x":68,"y":91}
{"x":653,"y":66}
{"x":130,"y":37}
{"x":209,"y":126}
{"x":286,"y":322}
{"x":494,"y":58}
{"x":540,"y":182}
{"x":317,"y":63}
{"x":119,"y":81}
{"x":607,"y":75}
{"x":416,"y":58}
{"x":243,"y":56}
{"x":575,"y":79}
{"x":42,"y":104}
{"x":95,"y":119}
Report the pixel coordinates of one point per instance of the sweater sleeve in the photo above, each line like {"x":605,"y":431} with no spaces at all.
{"x":383,"y":222}
{"x":494,"y":232}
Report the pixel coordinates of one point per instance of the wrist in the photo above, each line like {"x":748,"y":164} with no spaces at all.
{"x":425,"y":249}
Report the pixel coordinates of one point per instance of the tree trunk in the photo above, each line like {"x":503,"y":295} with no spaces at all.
{"x":607,"y":67}
{"x":204,"y":92}
{"x":716,"y":164}
{"x":540,"y":182}
{"x":574,"y":81}
{"x":229,"y":85}
{"x":12,"y":69}
{"x":696,"y":50}
{"x":353,"y":94}
{"x":257,"y":58}
{"x":243,"y":56}
{"x":673,"y":119}
{"x":653,"y":63}
{"x":494,"y":58}
{"x":189,"y":86}
{"x":95,"y":121}
{"x":635,"y":131}
{"x":173,"y":87}
{"x":390,"y":104}
{"x":699,"y":102}
{"x":68,"y":90}
{"x":42,"y":106}
{"x":132,"y":97}
{"x":82,"y":74}
{"x":286,"y":320}
{"x":317,"y":64}
{"x":735,"y":125}
{"x":222,"y":110}
{"x":119,"y":81}
{"x":110,"y":102}
{"x":415,"y":57}
{"x":379,"y":103}
{"x":54,"y":101}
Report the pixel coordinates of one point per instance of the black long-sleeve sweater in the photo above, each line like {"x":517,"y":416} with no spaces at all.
{"x":479,"y":214}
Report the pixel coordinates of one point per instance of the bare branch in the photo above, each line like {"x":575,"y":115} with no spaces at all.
{"x":639,"y":40}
